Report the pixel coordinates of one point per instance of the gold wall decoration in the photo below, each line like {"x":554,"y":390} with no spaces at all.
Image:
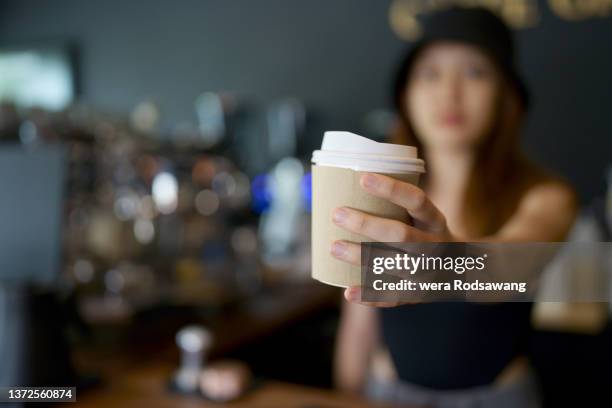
{"x":581,"y":9}
{"x":404,"y":14}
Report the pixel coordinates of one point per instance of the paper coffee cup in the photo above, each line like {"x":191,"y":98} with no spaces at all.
{"x":336,"y":170}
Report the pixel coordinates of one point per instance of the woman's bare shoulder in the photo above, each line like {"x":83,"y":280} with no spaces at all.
{"x":543,"y":209}
{"x":547,"y":189}
{"x":547,"y":207}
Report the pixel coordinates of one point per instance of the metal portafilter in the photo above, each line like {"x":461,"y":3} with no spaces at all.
{"x":193,"y":342}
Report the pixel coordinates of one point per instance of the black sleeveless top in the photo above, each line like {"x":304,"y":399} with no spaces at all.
{"x":450,"y":345}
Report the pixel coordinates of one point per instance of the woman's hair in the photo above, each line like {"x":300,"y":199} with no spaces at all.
{"x":494,"y":183}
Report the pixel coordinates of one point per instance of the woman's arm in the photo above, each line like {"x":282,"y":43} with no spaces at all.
{"x":545,"y":214}
{"x":355,"y":344}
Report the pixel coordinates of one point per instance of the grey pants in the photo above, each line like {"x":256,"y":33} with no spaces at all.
{"x":523,"y":393}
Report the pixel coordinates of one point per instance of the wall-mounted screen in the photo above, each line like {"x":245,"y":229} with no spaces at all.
{"x":37,"y":76}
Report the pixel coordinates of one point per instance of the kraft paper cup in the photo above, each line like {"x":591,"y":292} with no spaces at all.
{"x":336,"y":170}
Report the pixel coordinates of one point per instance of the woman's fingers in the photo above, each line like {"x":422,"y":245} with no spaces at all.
{"x":351,"y":252}
{"x":406,"y":195}
{"x":377,"y":228}
{"x":347,"y":251}
{"x":353,"y":294}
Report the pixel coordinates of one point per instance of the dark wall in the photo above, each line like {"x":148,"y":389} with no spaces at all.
{"x":335,"y":55}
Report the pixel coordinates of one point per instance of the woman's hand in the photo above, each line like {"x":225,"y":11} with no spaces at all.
{"x":429,"y":224}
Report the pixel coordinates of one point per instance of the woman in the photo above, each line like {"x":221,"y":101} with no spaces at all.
{"x":461,"y":103}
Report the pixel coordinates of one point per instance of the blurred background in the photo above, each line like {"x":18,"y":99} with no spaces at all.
{"x":154,"y":163}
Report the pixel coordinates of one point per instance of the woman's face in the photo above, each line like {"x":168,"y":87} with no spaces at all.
{"x":452,"y":95}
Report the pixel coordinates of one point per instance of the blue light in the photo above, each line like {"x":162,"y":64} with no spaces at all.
{"x":261,"y":196}
{"x":307,"y":191}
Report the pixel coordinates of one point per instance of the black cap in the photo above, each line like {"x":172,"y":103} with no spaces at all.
{"x":475,"y":26}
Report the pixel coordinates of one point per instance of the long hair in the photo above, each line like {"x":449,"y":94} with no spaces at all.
{"x":495,"y":180}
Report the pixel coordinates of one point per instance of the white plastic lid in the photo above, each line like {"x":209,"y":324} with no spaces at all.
{"x":351,"y":151}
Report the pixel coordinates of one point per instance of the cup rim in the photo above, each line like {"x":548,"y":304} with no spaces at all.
{"x":368,"y":162}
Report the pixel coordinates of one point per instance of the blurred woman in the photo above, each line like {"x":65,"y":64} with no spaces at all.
{"x":462,"y":103}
